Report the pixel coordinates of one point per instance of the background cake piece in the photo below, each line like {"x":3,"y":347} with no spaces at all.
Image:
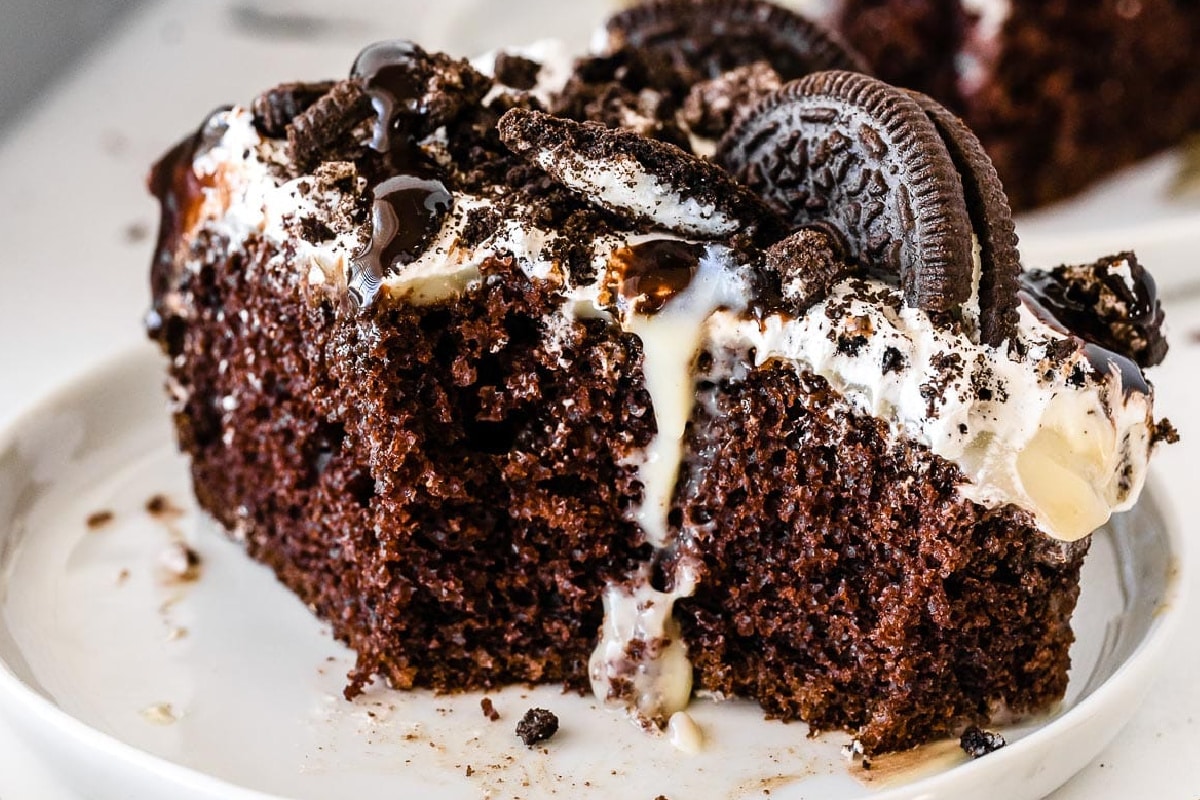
{"x":1062,"y":93}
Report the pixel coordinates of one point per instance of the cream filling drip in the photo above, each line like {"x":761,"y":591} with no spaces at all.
{"x":670,"y":343}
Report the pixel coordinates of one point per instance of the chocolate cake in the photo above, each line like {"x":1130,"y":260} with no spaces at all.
{"x":1062,"y":93}
{"x":509,"y":383}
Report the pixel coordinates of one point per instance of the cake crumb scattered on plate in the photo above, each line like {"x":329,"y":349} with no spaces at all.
{"x":537,"y":725}
{"x":99,"y":519}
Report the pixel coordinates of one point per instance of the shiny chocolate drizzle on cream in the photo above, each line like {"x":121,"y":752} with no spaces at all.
{"x":180,"y":193}
{"x":409,"y":202}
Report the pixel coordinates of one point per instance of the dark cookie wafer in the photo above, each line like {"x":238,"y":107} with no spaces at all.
{"x":851,"y":150}
{"x":322,"y":123}
{"x":714,"y":36}
{"x":991,"y":217}
{"x":608,"y":167}
{"x":275,"y":108}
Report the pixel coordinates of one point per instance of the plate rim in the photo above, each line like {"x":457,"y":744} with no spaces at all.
{"x":1134,"y":674}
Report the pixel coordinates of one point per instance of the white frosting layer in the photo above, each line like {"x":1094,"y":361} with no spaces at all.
{"x":1003,"y":421}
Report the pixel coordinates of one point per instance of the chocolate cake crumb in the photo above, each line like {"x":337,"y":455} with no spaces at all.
{"x":537,"y":725}
{"x":489,"y":710}
{"x":98,"y":519}
{"x":1164,"y":432}
{"x":977,"y":742}
{"x":161,"y":506}
{"x":180,"y":563}
{"x":517,"y":71}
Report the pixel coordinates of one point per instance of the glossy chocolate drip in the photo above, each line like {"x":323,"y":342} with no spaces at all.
{"x":1104,"y":361}
{"x":409,"y":204}
{"x":406,"y":215}
{"x":1113,"y":303}
{"x":394,"y":76}
{"x":653,"y":272}
{"x":180,"y":193}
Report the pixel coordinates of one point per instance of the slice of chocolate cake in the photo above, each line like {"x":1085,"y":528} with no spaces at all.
{"x":508,"y":384}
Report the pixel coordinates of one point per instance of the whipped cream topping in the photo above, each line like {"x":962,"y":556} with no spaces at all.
{"x":1009,"y":423}
{"x":1063,"y":439}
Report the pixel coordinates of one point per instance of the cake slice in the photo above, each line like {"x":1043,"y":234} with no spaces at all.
{"x":509,"y":384}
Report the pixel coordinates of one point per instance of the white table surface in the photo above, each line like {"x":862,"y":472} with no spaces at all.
{"x":78,"y":228}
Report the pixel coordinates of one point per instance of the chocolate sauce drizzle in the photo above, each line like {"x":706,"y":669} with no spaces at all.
{"x":1118,"y":310}
{"x":405,"y":216}
{"x":655,"y":271}
{"x":410,"y":203}
{"x":180,"y":193}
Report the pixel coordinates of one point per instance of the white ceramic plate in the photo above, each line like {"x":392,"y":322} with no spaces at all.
{"x":228,"y":688}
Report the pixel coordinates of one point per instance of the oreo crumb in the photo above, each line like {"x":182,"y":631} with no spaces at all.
{"x":977,"y":742}
{"x":517,"y":71}
{"x":537,"y":725}
{"x":98,"y":519}
{"x":808,"y":263}
{"x":275,"y":108}
{"x":711,"y":106}
{"x":469,"y":771}
{"x":314,"y":231}
{"x":312,"y":133}
{"x":489,"y":710}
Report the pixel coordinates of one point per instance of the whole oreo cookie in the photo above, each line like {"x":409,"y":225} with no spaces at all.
{"x":844,"y":148}
{"x":714,"y":36}
{"x":991,"y":216}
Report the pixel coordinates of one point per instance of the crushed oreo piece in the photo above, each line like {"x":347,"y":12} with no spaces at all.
{"x":644,"y":179}
{"x":537,"y":725}
{"x":632,"y":89}
{"x":1112,"y":302}
{"x":710,"y":37}
{"x":808,"y":264}
{"x":711,"y":106}
{"x":275,"y":108}
{"x":991,"y":218}
{"x":311,"y":134}
{"x":516,"y":71}
{"x":977,"y":742}
{"x":863,"y":155}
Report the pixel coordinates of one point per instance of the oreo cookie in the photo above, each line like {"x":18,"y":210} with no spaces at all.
{"x":639,"y":178}
{"x":991,"y":216}
{"x":324,"y":122}
{"x":275,"y":108}
{"x":845,"y":148}
{"x":710,"y":37}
